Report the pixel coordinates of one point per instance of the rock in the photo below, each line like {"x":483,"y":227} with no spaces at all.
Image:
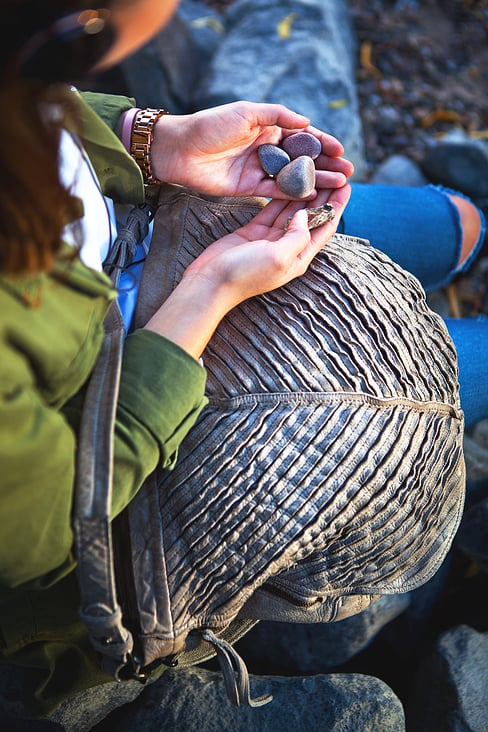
{"x":79,"y":714}
{"x":476,"y":457}
{"x":398,"y":170}
{"x":194,"y":700}
{"x":272,"y":158}
{"x":388,"y":119}
{"x":462,"y":165}
{"x":472,"y":536}
{"x":297,"y":179}
{"x":449,"y":692}
{"x":302,"y":143}
{"x":317,"y":216}
{"x":205,"y":26}
{"x":164,"y":72}
{"x":300,"y":53}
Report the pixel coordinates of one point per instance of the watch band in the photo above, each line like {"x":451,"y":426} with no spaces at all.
{"x":142,"y":136}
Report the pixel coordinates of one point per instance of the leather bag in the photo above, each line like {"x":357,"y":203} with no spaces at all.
{"x":326,"y":470}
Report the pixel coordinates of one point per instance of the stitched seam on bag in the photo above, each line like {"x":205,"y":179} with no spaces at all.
{"x":334,"y":398}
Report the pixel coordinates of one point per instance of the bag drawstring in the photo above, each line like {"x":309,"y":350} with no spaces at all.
{"x":236,"y":676}
{"x":129,"y":236}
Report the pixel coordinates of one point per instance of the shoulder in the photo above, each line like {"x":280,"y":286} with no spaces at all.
{"x":51,"y":327}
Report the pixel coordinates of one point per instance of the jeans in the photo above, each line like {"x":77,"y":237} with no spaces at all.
{"x":419,"y":228}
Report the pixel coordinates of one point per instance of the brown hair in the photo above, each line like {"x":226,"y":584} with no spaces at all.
{"x":34,"y":206}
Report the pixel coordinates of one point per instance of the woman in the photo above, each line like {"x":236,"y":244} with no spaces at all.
{"x":53,"y":305}
{"x":55,"y":148}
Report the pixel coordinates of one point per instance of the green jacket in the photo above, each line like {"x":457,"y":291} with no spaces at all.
{"x":50,"y":334}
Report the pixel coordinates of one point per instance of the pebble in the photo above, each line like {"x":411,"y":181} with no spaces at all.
{"x":302,"y":143}
{"x":272,"y":158}
{"x":297,"y":179}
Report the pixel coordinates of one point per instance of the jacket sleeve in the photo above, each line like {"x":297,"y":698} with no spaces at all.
{"x":161,"y":395}
{"x":109,"y":107}
{"x":118,"y":173}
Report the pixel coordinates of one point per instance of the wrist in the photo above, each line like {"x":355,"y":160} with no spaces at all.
{"x":138,"y":127}
{"x":124,"y":127}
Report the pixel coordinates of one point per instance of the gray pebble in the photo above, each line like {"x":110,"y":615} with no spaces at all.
{"x":297,"y":179}
{"x":272,"y":158}
{"x":302,"y":143}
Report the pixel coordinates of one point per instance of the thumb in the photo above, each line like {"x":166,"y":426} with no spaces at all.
{"x":297,"y":234}
{"x":298,"y":222}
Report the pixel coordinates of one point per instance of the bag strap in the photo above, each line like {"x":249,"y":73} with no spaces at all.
{"x":100,"y":611}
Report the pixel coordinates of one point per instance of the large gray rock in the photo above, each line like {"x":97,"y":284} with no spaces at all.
{"x":193,"y":700}
{"x":79,"y":714}
{"x":398,"y":170}
{"x":83,"y":711}
{"x":472,"y":537}
{"x":300,"y":53}
{"x":450,"y":688}
{"x":295,"y":52}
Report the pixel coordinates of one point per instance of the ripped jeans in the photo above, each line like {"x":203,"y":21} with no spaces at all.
{"x":419,"y":228}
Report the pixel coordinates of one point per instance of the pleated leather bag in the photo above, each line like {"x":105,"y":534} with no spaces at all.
{"x":326,"y":470}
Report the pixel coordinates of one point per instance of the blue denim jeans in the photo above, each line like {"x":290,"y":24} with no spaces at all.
{"x":419,"y":228}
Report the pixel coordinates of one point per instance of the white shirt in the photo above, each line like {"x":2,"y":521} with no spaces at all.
{"x":97,"y":229}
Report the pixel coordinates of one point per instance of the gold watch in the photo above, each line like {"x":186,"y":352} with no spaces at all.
{"x":141,"y":139}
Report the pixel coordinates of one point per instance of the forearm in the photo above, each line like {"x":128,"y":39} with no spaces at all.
{"x":191,"y":314}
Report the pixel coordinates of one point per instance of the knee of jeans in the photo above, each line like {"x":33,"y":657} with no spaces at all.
{"x":471,"y":227}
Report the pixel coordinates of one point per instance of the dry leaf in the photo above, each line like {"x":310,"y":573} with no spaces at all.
{"x":440,"y":115}
{"x":479,"y":134}
{"x":284,"y":26}
{"x":338,"y":103}
{"x":208,"y":22}
{"x":366,"y":58}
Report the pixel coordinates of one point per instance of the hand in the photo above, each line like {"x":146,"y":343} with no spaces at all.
{"x":215,"y":151}
{"x":256,"y":258}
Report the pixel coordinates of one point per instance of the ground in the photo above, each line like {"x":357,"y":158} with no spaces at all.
{"x":422,"y":70}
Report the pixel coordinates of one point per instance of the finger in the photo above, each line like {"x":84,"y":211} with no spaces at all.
{"x":296,"y":238}
{"x":338,"y":199}
{"x":322,"y":234}
{"x":268,"y":188}
{"x":270,"y":214}
{"x":331,"y":146}
{"x":277,"y":114}
{"x":338,"y":165}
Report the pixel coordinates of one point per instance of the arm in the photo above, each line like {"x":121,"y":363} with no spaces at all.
{"x":46,"y":354}
{"x":215,"y":150}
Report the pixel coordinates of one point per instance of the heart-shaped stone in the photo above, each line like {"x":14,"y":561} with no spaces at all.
{"x":297,"y":179}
